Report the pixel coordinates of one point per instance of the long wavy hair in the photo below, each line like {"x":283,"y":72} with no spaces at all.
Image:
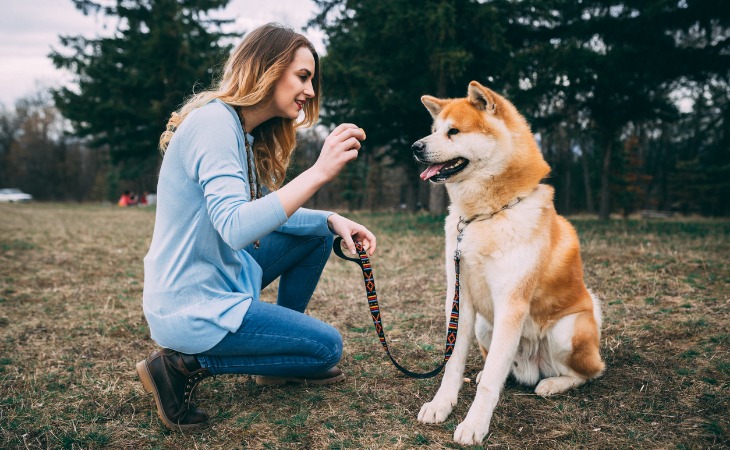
{"x":249,"y":80}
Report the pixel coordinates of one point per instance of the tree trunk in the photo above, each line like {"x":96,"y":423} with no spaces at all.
{"x":566,"y":187}
{"x":587,"y":179}
{"x":373,"y":184}
{"x":604,"y":212}
{"x":413,"y":185}
{"x":438,"y":200}
{"x":565,"y":163}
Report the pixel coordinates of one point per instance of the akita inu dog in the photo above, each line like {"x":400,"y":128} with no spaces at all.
{"x":521,"y":278}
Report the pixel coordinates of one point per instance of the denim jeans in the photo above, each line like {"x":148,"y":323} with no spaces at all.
{"x":280,"y":340}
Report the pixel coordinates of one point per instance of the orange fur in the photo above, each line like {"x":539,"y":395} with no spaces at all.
{"x":585,"y":357}
{"x":561,"y":290}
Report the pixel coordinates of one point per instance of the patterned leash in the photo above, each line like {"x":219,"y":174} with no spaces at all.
{"x":364,"y":262}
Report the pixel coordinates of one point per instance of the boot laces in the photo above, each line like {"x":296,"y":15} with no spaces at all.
{"x":190,"y":384}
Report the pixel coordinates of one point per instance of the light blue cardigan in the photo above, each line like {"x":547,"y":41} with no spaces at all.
{"x":198,"y":282}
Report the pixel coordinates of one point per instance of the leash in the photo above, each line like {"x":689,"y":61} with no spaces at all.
{"x":364,"y":262}
{"x":367,"y":272}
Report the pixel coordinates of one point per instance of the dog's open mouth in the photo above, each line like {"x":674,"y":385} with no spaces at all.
{"x":445,"y":170}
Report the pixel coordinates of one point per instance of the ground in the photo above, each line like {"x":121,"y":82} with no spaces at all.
{"x":71,"y":330}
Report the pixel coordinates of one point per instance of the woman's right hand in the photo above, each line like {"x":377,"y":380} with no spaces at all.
{"x":340,"y":147}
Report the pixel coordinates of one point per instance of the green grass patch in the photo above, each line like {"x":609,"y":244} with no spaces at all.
{"x":16,"y":244}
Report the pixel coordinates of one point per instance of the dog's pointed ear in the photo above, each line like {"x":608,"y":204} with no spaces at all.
{"x":482,"y":98}
{"x":433,"y":105}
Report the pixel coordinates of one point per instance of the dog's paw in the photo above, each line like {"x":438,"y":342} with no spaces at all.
{"x":470,"y":432}
{"x":435,"y":411}
{"x":555,"y":385}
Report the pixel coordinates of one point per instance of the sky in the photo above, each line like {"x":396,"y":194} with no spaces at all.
{"x":30,"y":28}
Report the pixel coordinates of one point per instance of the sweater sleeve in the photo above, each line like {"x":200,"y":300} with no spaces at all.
{"x":307,"y":222}
{"x":215,"y":162}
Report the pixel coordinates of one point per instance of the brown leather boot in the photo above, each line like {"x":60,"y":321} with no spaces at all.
{"x":172,"y":377}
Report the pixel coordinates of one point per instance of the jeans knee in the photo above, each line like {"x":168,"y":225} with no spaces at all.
{"x":328,"y":241}
{"x":332,"y":343}
{"x":320,"y":249}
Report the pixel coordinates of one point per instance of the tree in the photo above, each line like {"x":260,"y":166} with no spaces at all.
{"x":382,"y":56}
{"x":130,"y":82}
{"x":598,"y":80}
{"x":616,"y":63}
{"x":9,"y":129}
{"x":698,"y":174}
{"x":33,"y":149}
{"x":40,"y":159}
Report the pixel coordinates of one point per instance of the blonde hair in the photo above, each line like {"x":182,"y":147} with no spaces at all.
{"x":249,"y":78}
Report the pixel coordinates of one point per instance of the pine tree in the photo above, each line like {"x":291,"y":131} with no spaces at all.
{"x":382,"y":56}
{"x":615,"y":63}
{"x":130,"y":82}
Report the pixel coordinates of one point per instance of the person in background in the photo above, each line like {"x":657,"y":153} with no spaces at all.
{"x":125,"y":200}
{"x":226,"y":226}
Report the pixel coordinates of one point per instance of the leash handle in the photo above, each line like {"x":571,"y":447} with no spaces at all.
{"x":364,"y":262}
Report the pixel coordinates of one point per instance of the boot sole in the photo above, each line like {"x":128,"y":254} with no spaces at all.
{"x":262,"y":380}
{"x":149,"y":385}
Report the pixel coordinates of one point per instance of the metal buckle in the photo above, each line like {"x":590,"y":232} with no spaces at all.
{"x":458,"y":225}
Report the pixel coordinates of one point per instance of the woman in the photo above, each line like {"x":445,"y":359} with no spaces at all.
{"x":218,"y":240}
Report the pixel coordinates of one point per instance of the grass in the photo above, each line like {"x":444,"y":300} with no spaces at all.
{"x":71,"y":330}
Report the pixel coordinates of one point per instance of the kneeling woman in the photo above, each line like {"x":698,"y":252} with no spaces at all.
{"x":218,"y":240}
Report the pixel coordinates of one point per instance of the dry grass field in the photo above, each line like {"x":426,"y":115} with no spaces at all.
{"x":71,"y":330}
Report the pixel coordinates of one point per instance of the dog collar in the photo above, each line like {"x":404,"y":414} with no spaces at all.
{"x":463,"y":223}
{"x":479,"y":217}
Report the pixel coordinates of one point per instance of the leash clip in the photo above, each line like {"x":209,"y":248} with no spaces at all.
{"x":459,"y":227}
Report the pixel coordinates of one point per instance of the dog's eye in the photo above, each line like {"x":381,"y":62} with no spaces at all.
{"x":452,"y":131}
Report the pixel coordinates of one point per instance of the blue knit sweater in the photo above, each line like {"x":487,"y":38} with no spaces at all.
{"x":199,"y":282}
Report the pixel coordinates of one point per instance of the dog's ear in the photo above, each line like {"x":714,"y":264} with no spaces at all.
{"x":482,"y":98}
{"x":433,"y":105}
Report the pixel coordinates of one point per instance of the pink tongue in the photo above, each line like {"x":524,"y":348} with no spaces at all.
{"x":432,"y":170}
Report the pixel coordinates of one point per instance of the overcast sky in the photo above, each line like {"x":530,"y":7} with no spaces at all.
{"x":29,"y":28}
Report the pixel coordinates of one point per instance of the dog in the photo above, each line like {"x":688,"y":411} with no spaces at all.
{"x":522,"y":292}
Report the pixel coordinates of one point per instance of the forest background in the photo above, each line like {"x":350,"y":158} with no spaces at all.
{"x":629,"y":100}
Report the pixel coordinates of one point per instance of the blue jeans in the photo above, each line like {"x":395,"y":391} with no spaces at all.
{"x":280,"y":340}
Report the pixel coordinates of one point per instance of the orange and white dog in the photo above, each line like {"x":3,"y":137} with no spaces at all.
{"x":522,"y":292}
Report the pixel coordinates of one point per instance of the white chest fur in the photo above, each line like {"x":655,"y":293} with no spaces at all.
{"x":498,"y":252}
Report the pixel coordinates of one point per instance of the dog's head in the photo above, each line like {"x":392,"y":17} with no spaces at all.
{"x":478,"y":137}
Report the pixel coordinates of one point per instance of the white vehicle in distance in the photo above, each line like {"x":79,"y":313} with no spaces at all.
{"x":12,"y":195}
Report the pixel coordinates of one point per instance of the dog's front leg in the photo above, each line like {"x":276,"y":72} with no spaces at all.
{"x":509,"y":318}
{"x":438,"y":409}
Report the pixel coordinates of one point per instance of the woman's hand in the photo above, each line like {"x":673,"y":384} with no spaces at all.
{"x":340,"y":147}
{"x":352,"y":232}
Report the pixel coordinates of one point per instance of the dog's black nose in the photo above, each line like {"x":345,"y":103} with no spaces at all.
{"x":418,"y":147}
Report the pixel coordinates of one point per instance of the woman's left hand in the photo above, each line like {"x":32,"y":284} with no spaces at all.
{"x":352,"y":232}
